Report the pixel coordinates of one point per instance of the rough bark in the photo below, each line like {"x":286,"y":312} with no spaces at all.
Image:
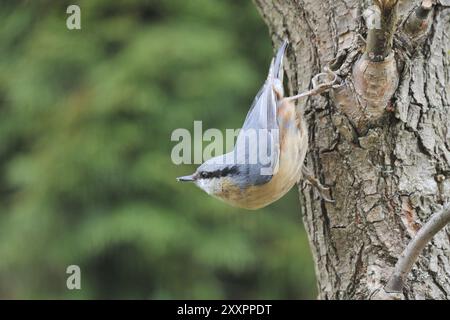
{"x":388,"y":175}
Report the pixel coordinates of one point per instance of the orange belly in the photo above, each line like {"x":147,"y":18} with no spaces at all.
{"x":293,"y":146}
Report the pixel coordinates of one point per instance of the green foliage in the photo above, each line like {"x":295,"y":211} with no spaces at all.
{"x":85,"y":171}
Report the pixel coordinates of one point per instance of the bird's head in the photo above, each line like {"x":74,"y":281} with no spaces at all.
{"x":212,"y":175}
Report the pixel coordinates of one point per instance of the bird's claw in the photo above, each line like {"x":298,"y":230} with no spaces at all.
{"x":325,"y":198}
{"x":323,"y":191}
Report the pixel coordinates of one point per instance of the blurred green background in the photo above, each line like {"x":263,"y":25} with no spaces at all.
{"x":86,"y":176}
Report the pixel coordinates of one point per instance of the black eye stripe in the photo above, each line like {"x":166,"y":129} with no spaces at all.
{"x":219,"y":173}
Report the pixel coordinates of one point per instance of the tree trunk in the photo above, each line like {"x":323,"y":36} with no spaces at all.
{"x":387,"y":161}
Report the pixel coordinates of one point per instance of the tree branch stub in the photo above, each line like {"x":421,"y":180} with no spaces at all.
{"x":418,"y":21}
{"x":380,"y":35}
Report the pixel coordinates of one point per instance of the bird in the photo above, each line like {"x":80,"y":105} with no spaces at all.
{"x":267,"y":159}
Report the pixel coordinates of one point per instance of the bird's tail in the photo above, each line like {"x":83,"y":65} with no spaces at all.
{"x":278,"y":70}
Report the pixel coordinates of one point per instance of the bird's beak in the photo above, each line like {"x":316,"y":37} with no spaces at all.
{"x":186,"y":179}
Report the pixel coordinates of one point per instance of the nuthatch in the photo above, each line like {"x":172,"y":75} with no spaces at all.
{"x":280,"y":130}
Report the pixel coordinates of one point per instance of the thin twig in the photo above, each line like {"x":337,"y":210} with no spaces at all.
{"x":415,"y":247}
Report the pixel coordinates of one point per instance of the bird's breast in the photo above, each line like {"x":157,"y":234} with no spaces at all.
{"x":293,"y":146}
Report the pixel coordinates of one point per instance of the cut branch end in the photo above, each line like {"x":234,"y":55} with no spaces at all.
{"x":395,"y":284}
{"x":417,"y":23}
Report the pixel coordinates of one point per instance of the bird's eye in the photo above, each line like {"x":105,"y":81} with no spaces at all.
{"x":203,"y":174}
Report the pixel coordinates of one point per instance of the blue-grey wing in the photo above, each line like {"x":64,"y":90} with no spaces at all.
{"x":258,"y":141}
{"x":262,"y":112}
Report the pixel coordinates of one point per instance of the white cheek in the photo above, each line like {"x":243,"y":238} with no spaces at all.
{"x":207,"y":185}
{"x":204,"y":185}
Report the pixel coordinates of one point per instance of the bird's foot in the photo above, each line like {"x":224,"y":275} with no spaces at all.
{"x":312,"y":180}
